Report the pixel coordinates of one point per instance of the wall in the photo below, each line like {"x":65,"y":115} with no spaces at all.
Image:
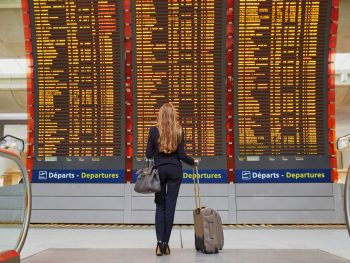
{"x":11,"y":203}
{"x":236,"y":203}
{"x":7,"y":164}
{"x":345,"y":157}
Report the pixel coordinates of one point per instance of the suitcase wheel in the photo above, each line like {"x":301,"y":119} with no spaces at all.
{"x":216,"y":251}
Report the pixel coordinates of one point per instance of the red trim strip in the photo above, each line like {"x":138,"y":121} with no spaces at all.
{"x":9,"y":254}
{"x":30,"y":86}
{"x":331,"y":90}
{"x":128,"y":90}
{"x":229,"y":90}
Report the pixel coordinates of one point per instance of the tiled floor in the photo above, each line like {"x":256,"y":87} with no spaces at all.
{"x":333,"y":241}
{"x":183,"y":255}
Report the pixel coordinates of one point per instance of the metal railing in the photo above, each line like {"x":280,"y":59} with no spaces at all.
{"x":27,"y":197}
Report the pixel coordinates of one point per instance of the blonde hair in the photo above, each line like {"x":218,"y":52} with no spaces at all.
{"x":170,"y":131}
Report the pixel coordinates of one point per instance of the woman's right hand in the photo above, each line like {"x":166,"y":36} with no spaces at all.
{"x":196,"y":162}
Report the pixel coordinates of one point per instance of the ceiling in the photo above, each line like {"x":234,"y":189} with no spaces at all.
{"x":12,"y":46}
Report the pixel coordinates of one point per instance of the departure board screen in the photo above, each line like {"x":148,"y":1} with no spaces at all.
{"x":78,"y":81}
{"x":179,"y":57}
{"x":280,"y":82}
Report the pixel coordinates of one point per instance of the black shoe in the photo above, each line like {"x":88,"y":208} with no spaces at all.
{"x":166,"y":249}
{"x":159,"y":249}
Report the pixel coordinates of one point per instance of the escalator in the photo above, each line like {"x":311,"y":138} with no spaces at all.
{"x":347,"y":200}
{"x":15,"y":205}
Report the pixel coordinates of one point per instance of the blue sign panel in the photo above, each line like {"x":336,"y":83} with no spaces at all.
{"x":205,"y":176}
{"x":78,"y":176}
{"x":283,"y":176}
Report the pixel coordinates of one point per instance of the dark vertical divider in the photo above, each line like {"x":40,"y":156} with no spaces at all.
{"x":331,"y":89}
{"x":229,"y":90}
{"x":128,"y":91}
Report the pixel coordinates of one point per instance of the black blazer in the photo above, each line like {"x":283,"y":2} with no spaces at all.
{"x":161,"y":158}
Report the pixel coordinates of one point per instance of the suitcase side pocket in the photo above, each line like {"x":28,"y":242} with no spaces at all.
{"x":211,"y":243}
{"x":211,"y":230}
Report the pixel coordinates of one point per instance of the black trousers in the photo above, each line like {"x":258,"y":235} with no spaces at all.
{"x":170,"y":179}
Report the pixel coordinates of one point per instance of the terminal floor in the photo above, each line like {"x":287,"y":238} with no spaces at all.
{"x":183,"y":255}
{"x":243,"y":245}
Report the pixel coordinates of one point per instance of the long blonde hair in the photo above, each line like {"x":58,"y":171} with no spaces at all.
{"x":170,"y":131}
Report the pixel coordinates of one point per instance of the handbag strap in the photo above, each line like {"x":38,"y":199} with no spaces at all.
{"x":150,"y":162}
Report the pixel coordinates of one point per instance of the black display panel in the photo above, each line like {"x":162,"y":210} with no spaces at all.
{"x":78,"y":82}
{"x":178,"y":49}
{"x":280,"y":84}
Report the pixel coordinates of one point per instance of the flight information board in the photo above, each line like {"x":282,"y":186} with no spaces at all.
{"x":179,"y":58}
{"x":280,"y":79}
{"x":78,"y":84}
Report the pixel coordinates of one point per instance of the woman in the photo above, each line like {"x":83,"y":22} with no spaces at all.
{"x":167,"y":146}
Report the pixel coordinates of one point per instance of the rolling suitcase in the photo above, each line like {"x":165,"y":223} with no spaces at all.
{"x":208,"y":232}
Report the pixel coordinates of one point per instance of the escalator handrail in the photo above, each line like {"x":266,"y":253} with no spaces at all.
{"x":27,"y":197}
{"x":346,"y":200}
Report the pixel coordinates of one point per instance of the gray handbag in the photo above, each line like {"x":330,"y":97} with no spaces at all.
{"x":147,"y":181}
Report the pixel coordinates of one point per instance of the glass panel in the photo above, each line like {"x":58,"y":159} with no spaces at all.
{"x":17,"y":130}
{"x":12,"y":203}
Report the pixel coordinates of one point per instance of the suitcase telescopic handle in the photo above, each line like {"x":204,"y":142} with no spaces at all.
{"x":197,"y":195}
